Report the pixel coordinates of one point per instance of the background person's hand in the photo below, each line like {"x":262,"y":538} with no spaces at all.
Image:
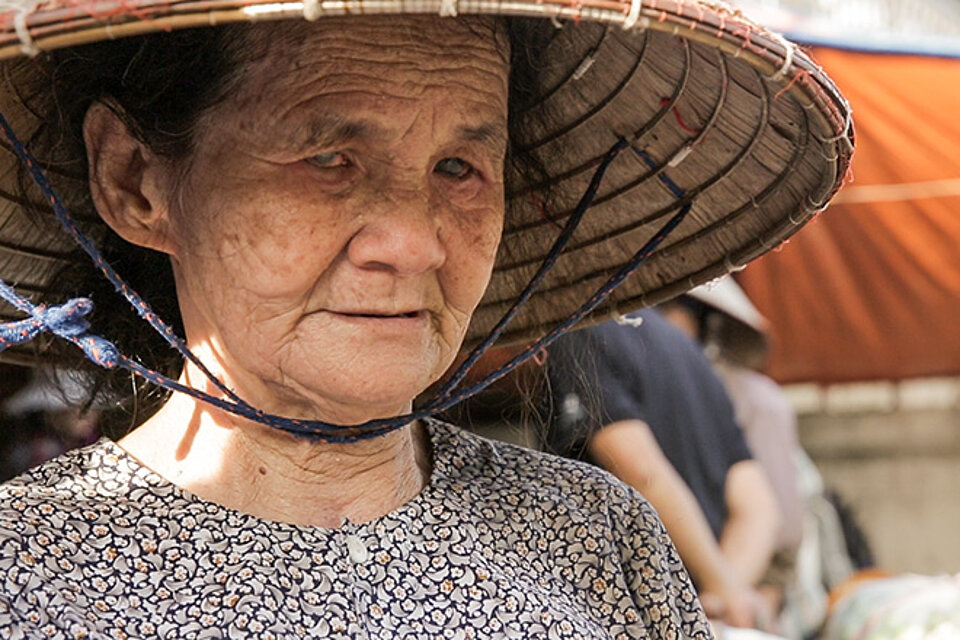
{"x":738,"y":606}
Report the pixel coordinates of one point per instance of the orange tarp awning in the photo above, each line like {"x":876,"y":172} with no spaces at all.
{"x":871,"y":289}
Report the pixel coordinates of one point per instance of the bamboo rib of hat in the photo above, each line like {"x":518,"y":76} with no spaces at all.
{"x":720,"y":113}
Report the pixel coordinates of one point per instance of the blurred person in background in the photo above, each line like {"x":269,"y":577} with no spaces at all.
{"x":734,"y":336}
{"x":820,"y":544}
{"x":644,"y":403}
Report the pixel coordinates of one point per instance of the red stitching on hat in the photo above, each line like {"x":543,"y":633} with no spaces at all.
{"x":542,"y":208}
{"x":122,"y":8}
{"x":676,"y":113}
{"x":802,"y":73}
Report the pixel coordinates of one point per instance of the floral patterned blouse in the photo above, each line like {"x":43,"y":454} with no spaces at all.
{"x":502,"y":543}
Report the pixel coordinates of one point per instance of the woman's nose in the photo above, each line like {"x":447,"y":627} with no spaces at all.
{"x":400,"y":234}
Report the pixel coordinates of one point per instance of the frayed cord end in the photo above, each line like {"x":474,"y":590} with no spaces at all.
{"x":100,"y":351}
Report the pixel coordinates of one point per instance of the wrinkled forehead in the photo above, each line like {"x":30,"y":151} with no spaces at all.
{"x":377,"y":48}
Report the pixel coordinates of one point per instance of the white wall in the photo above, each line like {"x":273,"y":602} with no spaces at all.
{"x":898,"y":465}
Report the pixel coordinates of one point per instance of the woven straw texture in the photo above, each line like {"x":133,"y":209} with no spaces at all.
{"x":754,"y":134}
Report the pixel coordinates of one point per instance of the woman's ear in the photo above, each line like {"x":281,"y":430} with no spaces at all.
{"x":128,"y":182}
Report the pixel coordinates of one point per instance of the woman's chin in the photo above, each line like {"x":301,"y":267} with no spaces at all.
{"x":345,"y":381}
{"x":354,"y":397}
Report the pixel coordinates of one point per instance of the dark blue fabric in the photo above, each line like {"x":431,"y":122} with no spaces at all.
{"x":654,"y":373}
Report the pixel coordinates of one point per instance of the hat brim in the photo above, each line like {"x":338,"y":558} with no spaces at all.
{"x":747,"y":126}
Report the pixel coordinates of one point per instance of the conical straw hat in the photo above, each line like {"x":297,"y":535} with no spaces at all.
{"x":719,"y":112}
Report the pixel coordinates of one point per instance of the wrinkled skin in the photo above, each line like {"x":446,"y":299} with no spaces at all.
{"x":339,"y":188}
{"x":330,"y":237}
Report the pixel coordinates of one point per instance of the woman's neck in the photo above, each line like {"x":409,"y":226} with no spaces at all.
{"x":275,"y":476}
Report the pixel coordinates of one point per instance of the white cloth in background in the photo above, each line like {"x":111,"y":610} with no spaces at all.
{"x":770,"y":427}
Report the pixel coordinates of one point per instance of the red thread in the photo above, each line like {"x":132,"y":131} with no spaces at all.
{"x":848,"y":177}
{"x":123,"y":8}
{"x":540,"y":357}
{"x":542,"y":208}
{"x":676,"y":113}
{"x":577,"y":6}
{"x":747,"y":41}
{"x":796,"y":78}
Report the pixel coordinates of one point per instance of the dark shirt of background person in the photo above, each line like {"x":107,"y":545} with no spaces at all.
{"x":654,"y":373}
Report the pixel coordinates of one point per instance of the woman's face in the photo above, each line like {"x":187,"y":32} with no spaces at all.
{"x":337,"y":224}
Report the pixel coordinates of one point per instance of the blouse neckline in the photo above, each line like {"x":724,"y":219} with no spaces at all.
{"x":440,"y":437}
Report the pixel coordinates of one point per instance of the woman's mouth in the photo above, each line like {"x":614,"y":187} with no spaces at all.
{"x":375,"y":315}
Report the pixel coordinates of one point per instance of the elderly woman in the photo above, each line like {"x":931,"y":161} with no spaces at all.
{"x":319,"y":205}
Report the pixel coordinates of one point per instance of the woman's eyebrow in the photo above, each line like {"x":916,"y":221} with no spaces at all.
{"x":331,"y":130}
{"x":326,"y":130}
{"x":491,"y":134}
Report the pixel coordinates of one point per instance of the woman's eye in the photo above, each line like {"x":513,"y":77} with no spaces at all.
{"x":454,"y":168}
{"x":332,"y":160}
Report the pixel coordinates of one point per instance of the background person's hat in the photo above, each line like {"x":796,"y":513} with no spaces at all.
{"x":719,"y":112}
{"x":731,"y":328}
{"x":726,"y":296}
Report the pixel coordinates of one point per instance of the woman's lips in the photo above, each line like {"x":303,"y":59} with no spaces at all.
{"x":373,"y":314}
{"x":380,"y":321}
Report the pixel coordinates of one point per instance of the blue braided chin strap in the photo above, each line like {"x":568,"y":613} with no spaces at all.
{"x":68,"y":321}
